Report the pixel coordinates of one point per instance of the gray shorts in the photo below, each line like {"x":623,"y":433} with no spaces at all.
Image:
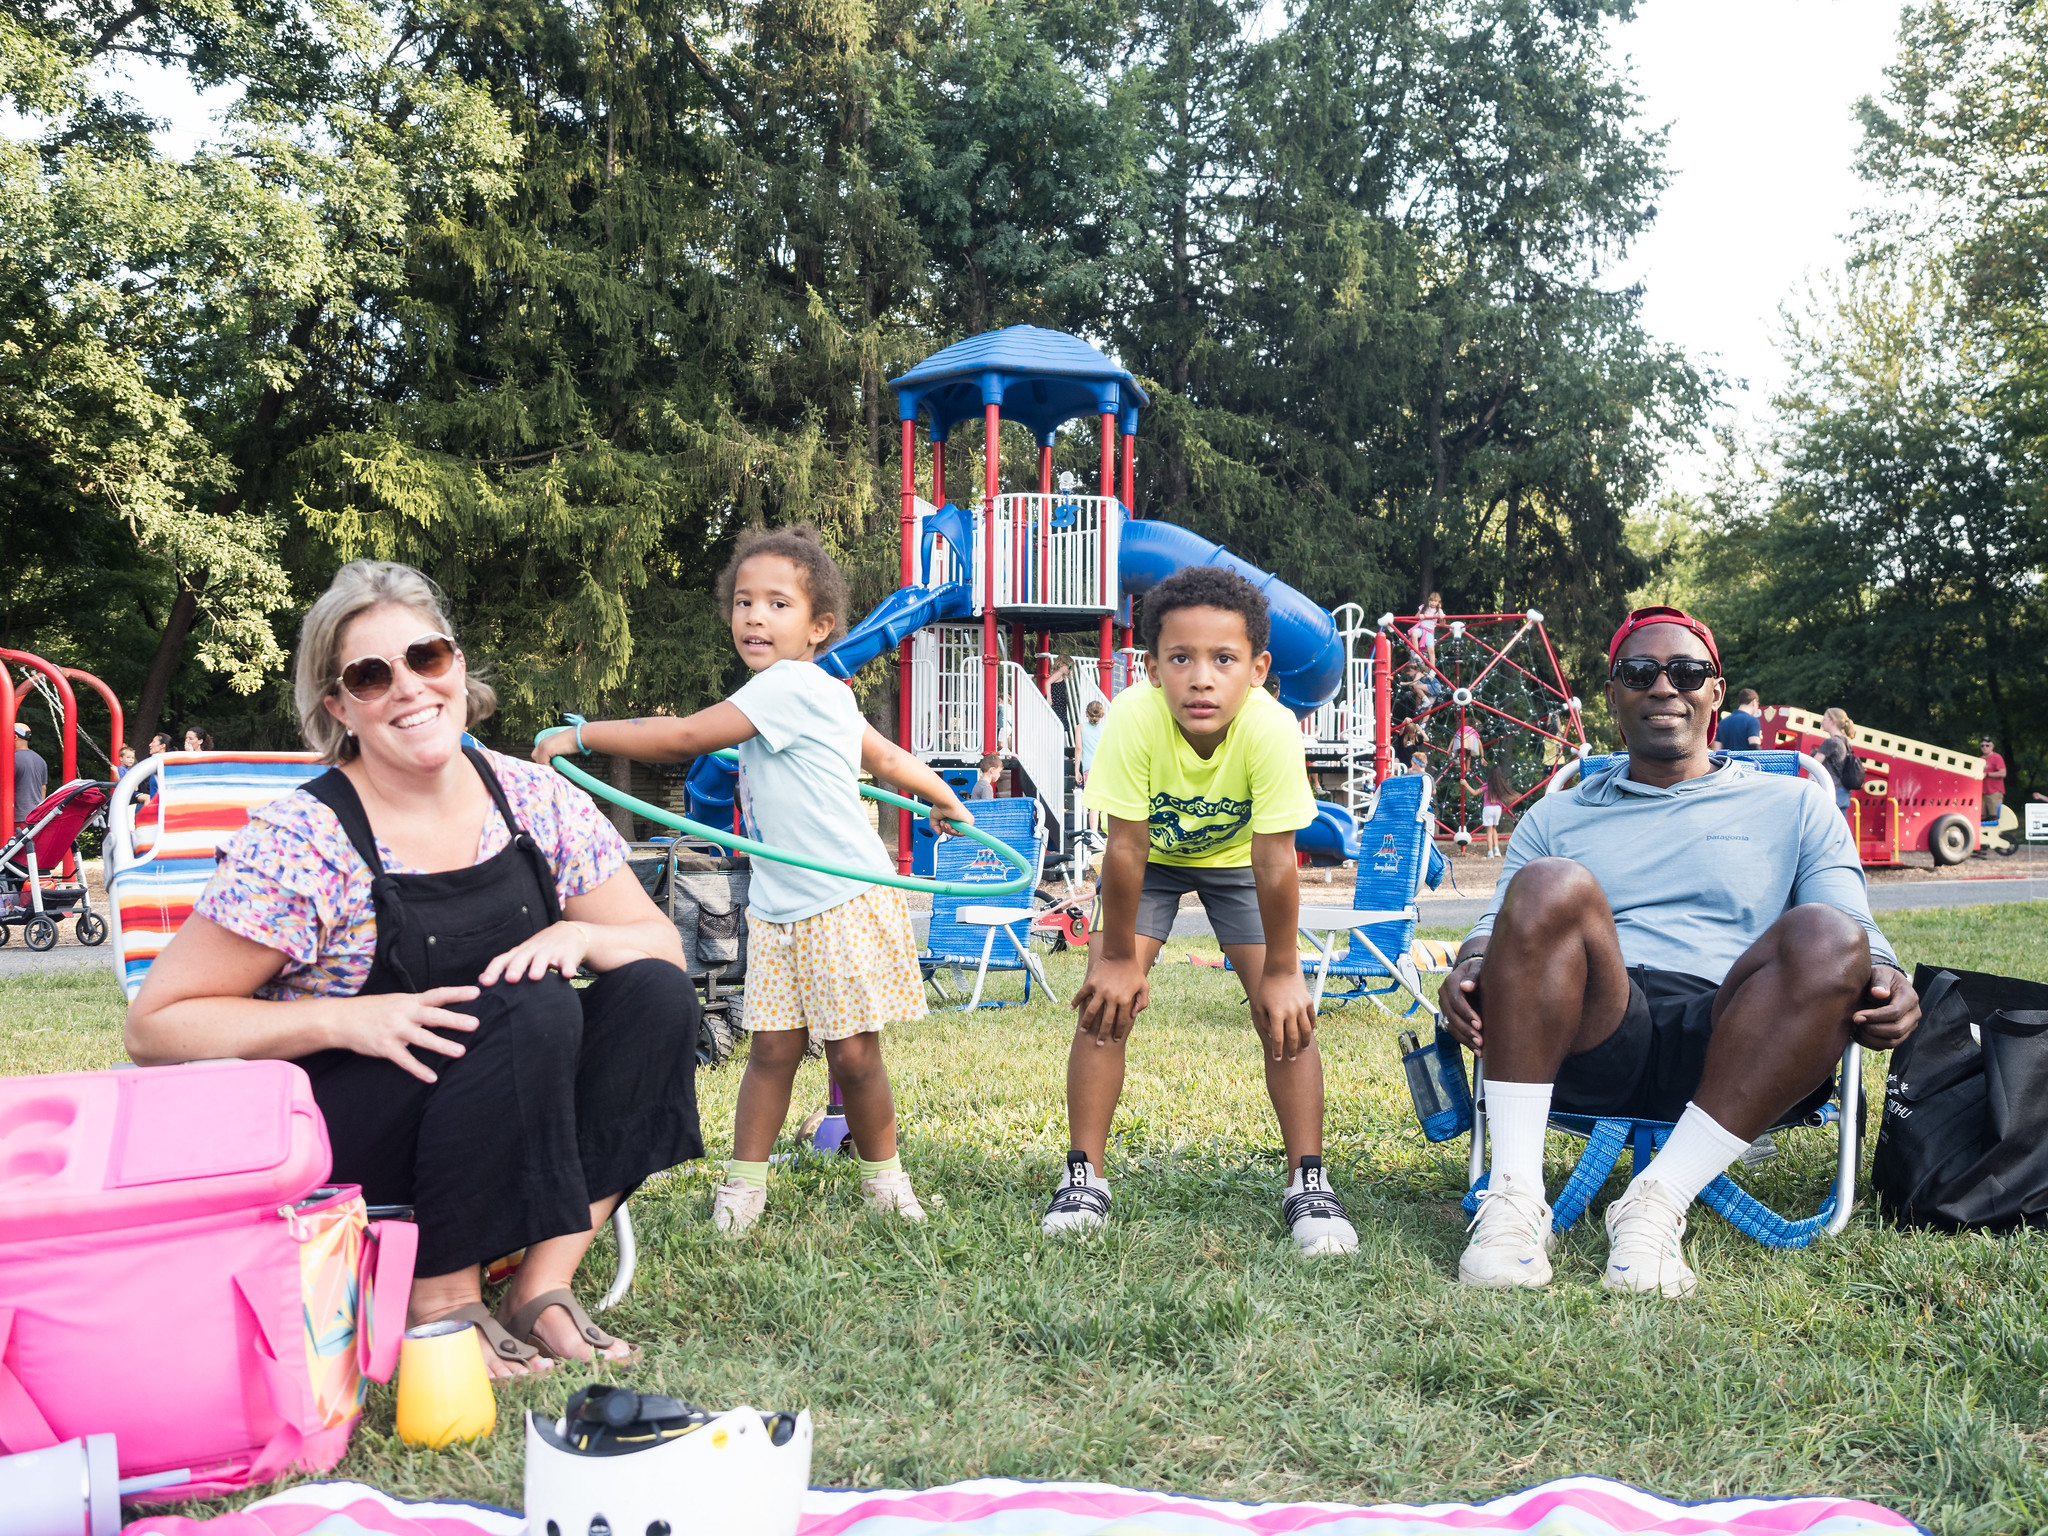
{"x":1229,"y":896}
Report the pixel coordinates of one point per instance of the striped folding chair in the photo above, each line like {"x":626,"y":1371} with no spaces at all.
{"x":963,"y":929}
{"x":1607,"y":1138}
{"x":1394,"y":860}
{"x":160,"y":853}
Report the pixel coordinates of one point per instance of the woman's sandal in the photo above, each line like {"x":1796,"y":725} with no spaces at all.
{"x":496,"y":1339}
{"x":520,"y":1325}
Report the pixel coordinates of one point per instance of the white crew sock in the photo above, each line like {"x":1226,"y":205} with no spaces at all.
{"x":1517,"y":1114}
{"x":1696,"y":1154}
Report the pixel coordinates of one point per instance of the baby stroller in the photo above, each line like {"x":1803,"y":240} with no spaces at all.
{"x":45,"y":836}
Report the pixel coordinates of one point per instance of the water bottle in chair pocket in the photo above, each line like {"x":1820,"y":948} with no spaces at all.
{"x":1438,"y":1085}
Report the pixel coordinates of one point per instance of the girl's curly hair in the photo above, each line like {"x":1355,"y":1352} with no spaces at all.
{"x":824,"y":583}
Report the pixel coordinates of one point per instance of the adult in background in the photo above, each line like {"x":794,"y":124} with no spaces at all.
{"x":1742,"y":728}
{"x":31,"y":773}
{"x":1837,"y":754}
{"x":1627,"y":966}
{"x":1994,"y":781}
{"x":404,"y":927}
{"x":197,"y":740}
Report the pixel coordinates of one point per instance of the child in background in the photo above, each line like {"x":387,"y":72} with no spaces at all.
{"x":1091,"y":736}
{"x":826,"y":955}
{"x":1203,"y":786}
{"x":1495,"y":791}
{"x":1425,"y":632}
{"x":986,"y":772}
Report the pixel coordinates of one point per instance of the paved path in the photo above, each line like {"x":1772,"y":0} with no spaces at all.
{"x":1191,"y":923}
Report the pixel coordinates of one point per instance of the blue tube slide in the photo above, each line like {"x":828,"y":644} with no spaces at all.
{"x":1308,"y":654}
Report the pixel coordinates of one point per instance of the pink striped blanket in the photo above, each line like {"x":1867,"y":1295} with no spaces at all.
{"x":1572,"y":1506}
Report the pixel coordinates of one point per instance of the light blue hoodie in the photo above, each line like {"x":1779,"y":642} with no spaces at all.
{"x":1696,"y":873}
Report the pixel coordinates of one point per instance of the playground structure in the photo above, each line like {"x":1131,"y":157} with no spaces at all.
{"x":1913,"y":795}
{"x":1038,"y":564}
{"x":1492,"y":685}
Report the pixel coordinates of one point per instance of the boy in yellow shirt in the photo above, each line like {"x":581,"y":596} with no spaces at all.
{"x":1199,"y":775}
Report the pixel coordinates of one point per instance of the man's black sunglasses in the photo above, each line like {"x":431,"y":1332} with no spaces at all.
{"x":1688,"y":674}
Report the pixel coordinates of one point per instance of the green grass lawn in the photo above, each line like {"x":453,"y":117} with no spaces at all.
{"x":1188,"y":1348}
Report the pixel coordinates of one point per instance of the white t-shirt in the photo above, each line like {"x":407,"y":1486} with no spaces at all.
{"x":800,"y":789}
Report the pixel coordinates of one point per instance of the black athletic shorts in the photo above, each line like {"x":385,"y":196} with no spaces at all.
{"x":1650,"y":1066}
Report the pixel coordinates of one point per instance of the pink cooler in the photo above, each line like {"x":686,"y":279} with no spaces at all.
{"x":172,"y":1272}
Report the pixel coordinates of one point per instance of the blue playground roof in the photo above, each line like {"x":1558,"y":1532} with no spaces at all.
{"x":1041,"y":378}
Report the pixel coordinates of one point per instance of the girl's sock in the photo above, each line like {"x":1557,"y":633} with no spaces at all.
{"x":753,"y":1175}
{"x":891,"y":1164}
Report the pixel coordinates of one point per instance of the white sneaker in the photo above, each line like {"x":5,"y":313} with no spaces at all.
{"x":736,"y":1207}
{"x":1081,"y":1203}
{"x":1315,"y":1214}
{"x":1644,"y":1230}
{"x":1511,"y":1239}
{"x":891,"y":1193}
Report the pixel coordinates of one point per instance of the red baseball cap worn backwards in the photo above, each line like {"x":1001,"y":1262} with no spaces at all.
{"x":1643,"y":618}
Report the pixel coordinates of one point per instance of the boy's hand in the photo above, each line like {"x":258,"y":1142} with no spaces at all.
{"x":949,"y":815}
{"x":1111,"y":999}
{"x":1283,"y":1013}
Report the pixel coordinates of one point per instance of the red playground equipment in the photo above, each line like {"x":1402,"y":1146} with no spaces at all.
{"x":1913,"y":795}
{"x":54,"y":683}
{"x":1477,"y":687}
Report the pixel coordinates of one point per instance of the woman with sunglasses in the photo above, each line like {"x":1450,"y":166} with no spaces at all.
{"x":404,"y":927}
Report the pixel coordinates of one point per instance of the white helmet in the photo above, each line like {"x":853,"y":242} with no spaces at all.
{"x":620,"y":1464}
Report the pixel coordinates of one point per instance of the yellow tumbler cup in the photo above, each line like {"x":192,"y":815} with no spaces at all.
{"x":444,"y":1391}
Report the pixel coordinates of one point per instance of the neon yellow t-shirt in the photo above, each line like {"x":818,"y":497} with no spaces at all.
{"x":1201,"y":812}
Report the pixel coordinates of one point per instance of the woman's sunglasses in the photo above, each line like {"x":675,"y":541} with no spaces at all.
{"x":1688,"y":674}
{"x":368,"y":678}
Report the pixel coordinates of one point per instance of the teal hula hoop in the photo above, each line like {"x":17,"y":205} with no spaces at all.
{"x":1002,"y":850}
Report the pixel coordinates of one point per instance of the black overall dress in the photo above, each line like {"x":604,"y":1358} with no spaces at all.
{"x":563,"y":1095}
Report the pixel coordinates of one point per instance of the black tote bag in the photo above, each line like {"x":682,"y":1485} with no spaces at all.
{"x":1964,"y":1140}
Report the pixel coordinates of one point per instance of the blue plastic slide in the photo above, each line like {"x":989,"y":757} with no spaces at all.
{"x":1308,"y":654}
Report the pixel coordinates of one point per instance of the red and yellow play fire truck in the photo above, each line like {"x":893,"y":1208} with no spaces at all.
{"x":1913,"y":795}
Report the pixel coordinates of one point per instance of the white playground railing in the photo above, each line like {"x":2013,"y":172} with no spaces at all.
{"x":945,"y":710}
{"x":1055,"y":552}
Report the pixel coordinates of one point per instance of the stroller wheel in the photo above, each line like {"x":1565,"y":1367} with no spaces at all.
{"x":5,"y":934}
{"x":91,"y":928}
{"x":41,"y":933}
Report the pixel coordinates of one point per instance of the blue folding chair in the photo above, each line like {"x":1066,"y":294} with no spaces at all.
{"x":963,"y":931}
{"x":1396,"y":859}
{"x":1606,"y":1138}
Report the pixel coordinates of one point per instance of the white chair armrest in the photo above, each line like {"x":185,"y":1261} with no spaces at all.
{"x":995,"y":917}
{"x":1342,"y":919}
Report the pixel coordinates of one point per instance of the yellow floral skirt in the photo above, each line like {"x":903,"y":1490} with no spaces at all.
{"x":846,"y":971}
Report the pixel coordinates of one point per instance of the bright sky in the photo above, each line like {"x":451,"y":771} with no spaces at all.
{"x":1758,"y":95}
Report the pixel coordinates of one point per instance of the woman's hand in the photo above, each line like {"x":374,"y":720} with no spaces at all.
{"x":393,"y":1024}
{"x":558,"y":947}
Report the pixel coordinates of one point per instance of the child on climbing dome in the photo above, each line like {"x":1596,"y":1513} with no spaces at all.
{"x":827,"y":956}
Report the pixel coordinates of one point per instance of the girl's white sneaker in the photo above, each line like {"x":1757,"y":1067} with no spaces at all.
{"x":891,"y":1192}
{"x":736,"y":1207}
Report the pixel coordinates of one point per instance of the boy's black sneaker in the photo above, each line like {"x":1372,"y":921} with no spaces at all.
{"x":1082,"y":1201}
{"x":1315,"y":1213}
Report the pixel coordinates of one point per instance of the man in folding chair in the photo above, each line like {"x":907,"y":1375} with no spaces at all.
{"x":1679,"y":938}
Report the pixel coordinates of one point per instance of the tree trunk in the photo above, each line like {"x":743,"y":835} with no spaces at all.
{"x":1511,"y":539}
{"x":622,"y":780}
{"x":170,"y":646}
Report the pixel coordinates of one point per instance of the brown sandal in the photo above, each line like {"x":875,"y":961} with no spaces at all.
{"x":496,"y":1339}
{"x":520,"y":1325}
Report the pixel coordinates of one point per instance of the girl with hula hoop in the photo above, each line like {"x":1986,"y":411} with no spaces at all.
{"x":828,"y":956}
